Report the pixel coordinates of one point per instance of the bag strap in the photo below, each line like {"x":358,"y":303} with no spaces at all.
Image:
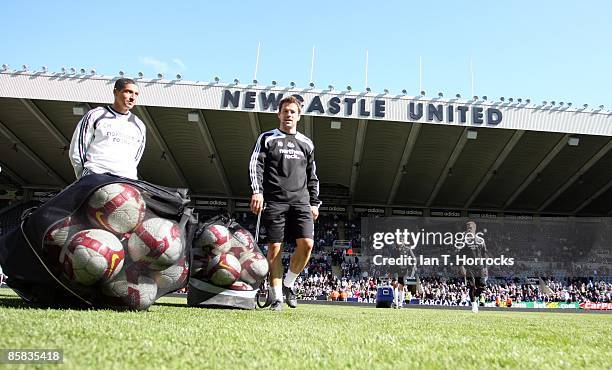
{"x":47,"y":269}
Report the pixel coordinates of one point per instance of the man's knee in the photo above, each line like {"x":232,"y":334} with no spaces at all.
{"x":273,"y":251}
{"x":305,"y":243}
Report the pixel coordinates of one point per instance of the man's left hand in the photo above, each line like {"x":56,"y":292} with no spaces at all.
{"x":315,"y":212}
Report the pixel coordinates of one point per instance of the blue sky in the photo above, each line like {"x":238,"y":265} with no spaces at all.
{"x":543,"y":50}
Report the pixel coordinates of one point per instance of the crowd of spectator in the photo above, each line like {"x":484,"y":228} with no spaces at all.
{"x":543,"y":291}
{"x":319,"y":264}
{"x":348,"y":280}
{"x":328,"y":287}
{"x":328,"y":228}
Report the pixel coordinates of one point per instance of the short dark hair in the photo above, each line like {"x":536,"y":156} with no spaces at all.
{"x":120,"y":83}
{"x":290,"y":100}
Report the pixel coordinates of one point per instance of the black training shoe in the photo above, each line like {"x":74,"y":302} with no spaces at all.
{"x":276,"y":305}
{"x":289,"y":294}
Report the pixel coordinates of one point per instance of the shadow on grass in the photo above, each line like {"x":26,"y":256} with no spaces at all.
{"x":10,"y":301}
{"x":184,"y":305}
{"x":16,"y":302}
{"x":167,"y":304}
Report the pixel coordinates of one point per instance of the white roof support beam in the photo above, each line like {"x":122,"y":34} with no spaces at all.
{"x":46,"y":122}
{"x":30,"y":154}
{"x":210,"y":145}
{"x":518,"y":134}
{"x":449,"y":164}
{"x":408,"y":148}
{"x":596,"y":195}
{"x":145,"y":116}
{"x":536,"y":172}
{"x":255,"y":126}
{"x":590,"y":163}
{"x":10,"y":173}
{"x":361,"y":133}
{"x":308,"y":126}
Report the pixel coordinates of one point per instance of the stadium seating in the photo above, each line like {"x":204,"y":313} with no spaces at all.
{"x":332,"y":270}
{"x":10,"y":215}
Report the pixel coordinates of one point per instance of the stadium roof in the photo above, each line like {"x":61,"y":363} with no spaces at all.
{"x":380,"y":150}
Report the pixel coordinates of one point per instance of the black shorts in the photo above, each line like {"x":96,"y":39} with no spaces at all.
{"x":287,"y":221}
{"x":401,"y":280}
{"x":477,"y":279}
{"x":476,"y":272}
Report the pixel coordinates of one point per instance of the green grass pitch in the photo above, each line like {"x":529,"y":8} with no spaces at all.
{"x":172,"y":335}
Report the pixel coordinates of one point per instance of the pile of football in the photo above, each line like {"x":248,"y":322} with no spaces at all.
{"x":228,"y":257}
{"x":115,"y":244}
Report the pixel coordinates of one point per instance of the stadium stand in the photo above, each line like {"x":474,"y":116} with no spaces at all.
{"x":333,"y":273}
{"x":322,"y":287}
{"x":10,"y":215}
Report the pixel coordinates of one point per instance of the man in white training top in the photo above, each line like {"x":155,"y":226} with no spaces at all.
{"x":110,"y":139}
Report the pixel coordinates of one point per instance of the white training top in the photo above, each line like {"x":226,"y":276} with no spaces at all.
{"x":107,"y":141}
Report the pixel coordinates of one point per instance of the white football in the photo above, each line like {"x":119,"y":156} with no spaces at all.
{"x":132,"y":289}
{"x":215,"y":239}
{"x":118,"y":208}
{"x":245,"y":238}
{"x":92,"y":255}
{"x":254,"y":267}
{"x":240,"y":285}
{"x":172,"y":278}
{"x":241,"y":242}
{"x":60,"y":232}
{"x":223,"y":269}
{"x":58,"y":236}
{"x":199,"y":262}
{"x":157,"y":243}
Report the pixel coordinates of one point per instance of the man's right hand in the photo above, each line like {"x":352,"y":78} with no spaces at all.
{"x":257,"y":203}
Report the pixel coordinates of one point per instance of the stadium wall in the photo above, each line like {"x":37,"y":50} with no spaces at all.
{"x":326,"y":103}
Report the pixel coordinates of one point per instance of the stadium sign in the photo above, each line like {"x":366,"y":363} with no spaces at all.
{"x":210,"y":203}
{"x":332,"y":209}
{"x":518,"y":216}
{"x":362,"y":107}
{"x":369,"y":210}
{"x":508,"y":114}
{"x":445,"y":213}
{"x":596,"y":306}
{"x":368,"y":106}
{"x":538,"y":304}
{"x":407,"y":212}
{"x":439,"y":302}
{"x":482,"y":215}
